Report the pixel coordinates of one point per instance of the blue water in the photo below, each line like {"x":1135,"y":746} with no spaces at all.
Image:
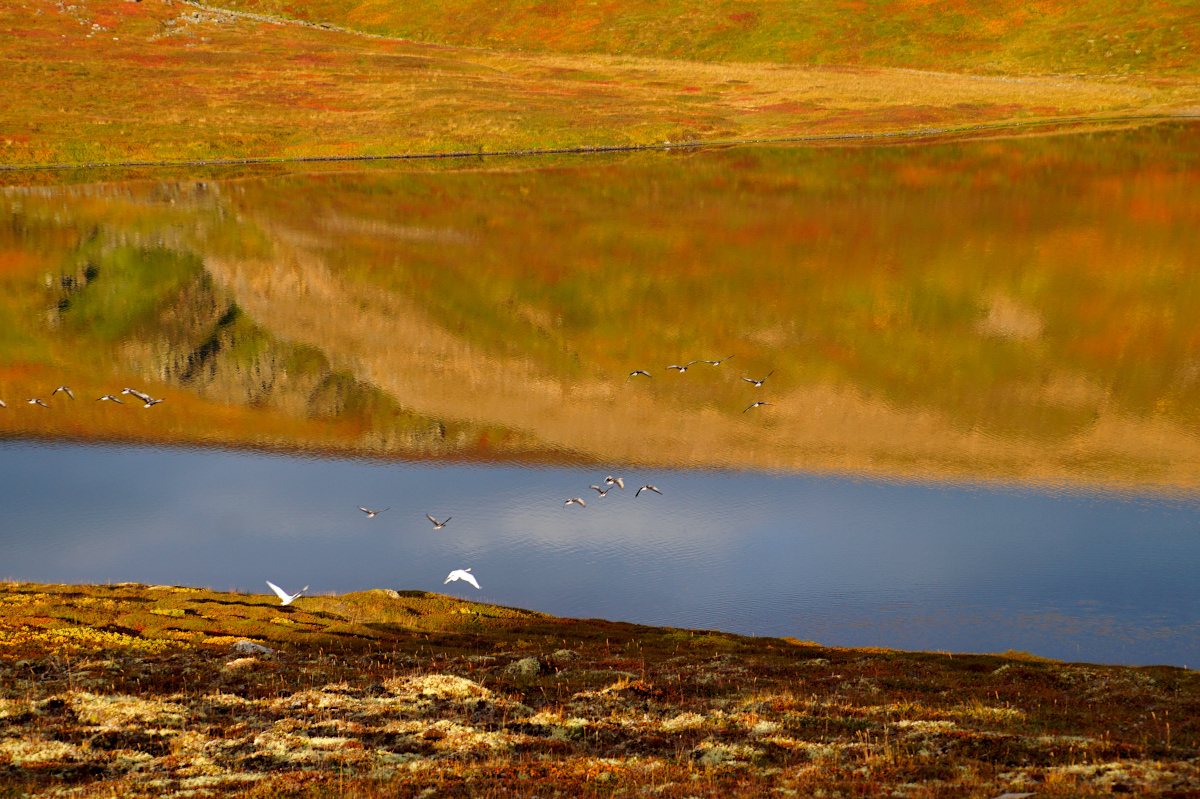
{"x":841,"y":562}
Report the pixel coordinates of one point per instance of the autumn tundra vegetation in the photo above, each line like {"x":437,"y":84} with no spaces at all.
{"x":135,"y":690}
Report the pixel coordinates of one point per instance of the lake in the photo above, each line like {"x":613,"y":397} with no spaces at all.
{"x":981,"y":364}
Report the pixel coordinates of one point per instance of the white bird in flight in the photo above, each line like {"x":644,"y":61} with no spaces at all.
{"x":462,"y":574}
{"x":371,"y":514}
{"x":758,"y":383}
{"x":140,"y":395}
{"x":619,"y":481}
{"x":3,"y":404}
{"x":718,"y":363}
{"x":436,"y":524}
{"x":70,"y":393}
{"x":683,"y":368}
{"x":576,"y":501}
{"x":603,"y":491}
{"x":36,"y":401}
{"x":755,"y":405}
{"x":646,"y":488}
{"x":637,"y":372}
{"x":110,"y":398}
{"x":284,"y":597}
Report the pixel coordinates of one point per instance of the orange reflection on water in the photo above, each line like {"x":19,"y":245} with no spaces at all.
{"x":1022,"y":309}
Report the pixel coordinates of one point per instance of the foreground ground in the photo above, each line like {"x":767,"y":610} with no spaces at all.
{"x":133,"y":690}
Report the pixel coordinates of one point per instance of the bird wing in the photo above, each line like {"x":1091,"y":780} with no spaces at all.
{"x":279,"y":592}
{"x":70,"y":393}
{"x":621,"y":482}
{"x":3,"y":404}
{"x":364,"y":510}
{"x":755,"y":405}
{"x":430,"y":518}
{"x":470,"y":578}
{"x":448,"y":518}
{"x":748,"y":380}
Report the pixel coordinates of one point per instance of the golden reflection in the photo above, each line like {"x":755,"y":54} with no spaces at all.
{"x":1023,"y":309}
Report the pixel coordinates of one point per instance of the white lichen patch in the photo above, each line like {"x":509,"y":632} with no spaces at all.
{"x":120,"y":711}
{"x":712,"y":753}
{"x":436,"y":686}
{"x":920,"y":728}
{"x":239,"y":664}
{"x":684,"y":721}
{"x":23,"y":752}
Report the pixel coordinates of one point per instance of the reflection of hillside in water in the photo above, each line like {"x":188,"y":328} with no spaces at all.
{"x":1010,"y":309}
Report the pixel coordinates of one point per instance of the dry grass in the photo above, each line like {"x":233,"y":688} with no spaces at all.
{"x":412,"y":694}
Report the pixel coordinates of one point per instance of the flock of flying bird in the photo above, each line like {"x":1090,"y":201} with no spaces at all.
{"x":145,"y":398}
{"x":608,"y":483}
{"x":458,"y":574}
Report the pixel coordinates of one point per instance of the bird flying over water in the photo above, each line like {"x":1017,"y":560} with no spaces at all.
{"x":576,"y":501}
{"x":462,"y":574}
{"x":603,"y":491}
{"x":371,"y":514}
{"x":718,"y":363}
{"x":646,"y":488}
{"x":143,"y":397}
{"x":110,"y":398}
{"x":436,"y":524}
{"x":619,"y":481}
{"x":36,"y":401}
{"x":683,"y":368}
{"x":637,"y":372}
{"x":284,"y":597}
{"x":755,"y":405}
{"x":70,"y":393}
{"x":758,"y":383}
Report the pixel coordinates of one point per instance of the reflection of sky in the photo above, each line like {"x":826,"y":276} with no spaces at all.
{"x":832,"y":560}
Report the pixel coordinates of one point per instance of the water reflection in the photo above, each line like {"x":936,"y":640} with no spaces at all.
{"x":842,"y":562}
{"x":1004,"y":314}
{"x":1022,"y":309}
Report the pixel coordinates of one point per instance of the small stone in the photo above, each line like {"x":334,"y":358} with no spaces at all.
{"x":245,"y":647}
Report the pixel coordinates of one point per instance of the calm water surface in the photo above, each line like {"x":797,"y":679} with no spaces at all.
{"x":984,"y":360}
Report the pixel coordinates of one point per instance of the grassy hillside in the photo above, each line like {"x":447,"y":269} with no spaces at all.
{"x":134,"y":690}
{"x":1096,"y":37}
{"x":111,"y":80}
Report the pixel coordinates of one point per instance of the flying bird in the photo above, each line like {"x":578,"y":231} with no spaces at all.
{"x":36,"y":401}
{"x":758,"y":383}
{"x":718,"y":363}
{"x":637,"y":372}
{"x":576,"y":501}
{"x":646,"y":488}
{"x":150,"y":403}
{"x":603,"y":491}
{"x":438,"y":525}
{"x":755,"y":405}
{"x":136,"y":393}
{"x":3,"y":404}
{"x":683,"y":368}
{"x":284,"y":597}
{"x":371,"y":514}
{"x":110,"y":398}
{"x":619,"y":481}
{"x":70,"y":393}
{"x":462,"y":574}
